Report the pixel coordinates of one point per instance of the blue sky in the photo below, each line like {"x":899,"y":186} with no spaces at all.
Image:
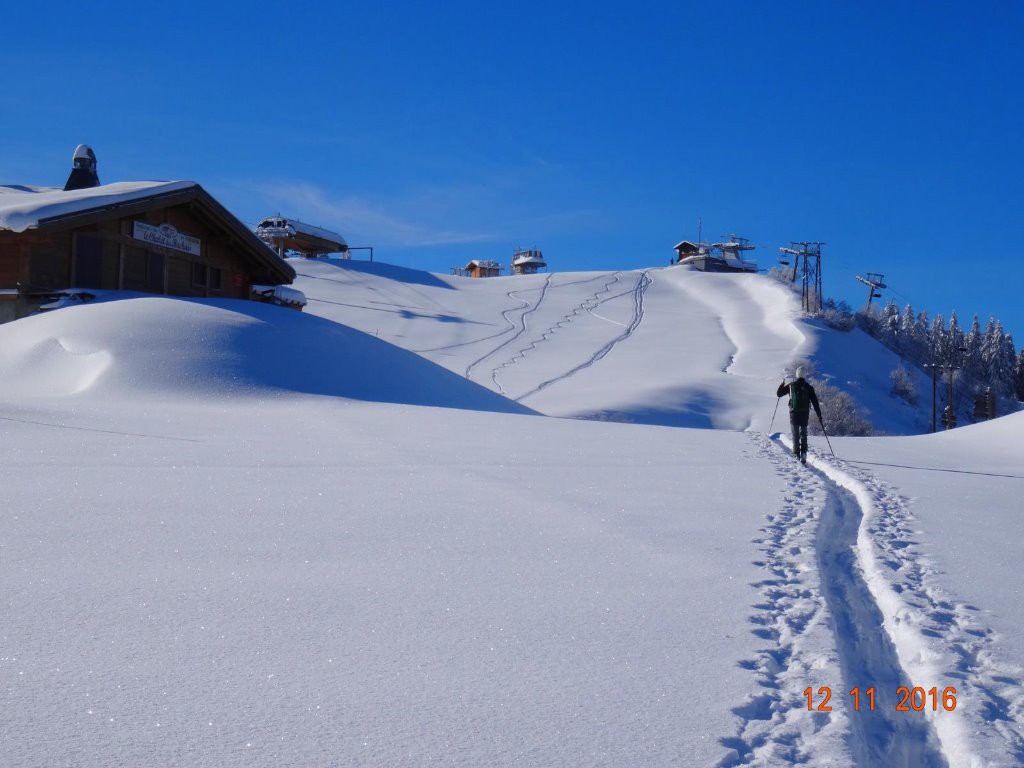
{"x":440,"y":132}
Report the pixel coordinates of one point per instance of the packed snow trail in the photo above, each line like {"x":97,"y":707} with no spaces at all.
{"x":820,"y":519}
{"x":936,"y":639}
{"x":893,"y":627}
{"x":867,"y":656}
{"x":792,"y":619}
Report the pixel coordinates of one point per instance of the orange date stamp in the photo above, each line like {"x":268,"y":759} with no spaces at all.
{"x":914,"y":699}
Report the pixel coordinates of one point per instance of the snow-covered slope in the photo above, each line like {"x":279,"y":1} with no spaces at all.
{"x":944,"y":540}
{"x":148,"y":345}
{"x":674,"y":346}
{"x":238,"y":535}
{"x":313,"y":581}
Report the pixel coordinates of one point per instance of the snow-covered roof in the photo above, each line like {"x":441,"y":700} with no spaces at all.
{"x":281,"y":293}
{"x":24,"y":207}
{"x":484,"y":264}
{"x":280,"y":226}
{"x":528,"y":257}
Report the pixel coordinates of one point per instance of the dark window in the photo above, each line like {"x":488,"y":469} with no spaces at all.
{"x":134,"y":269}
{"x":199,"y":274}
{"x":155,"y":273}
{"x":214,"y":279}
{"x":88,"y":262}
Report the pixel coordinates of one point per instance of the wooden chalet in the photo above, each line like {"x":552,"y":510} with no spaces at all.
{"x":169,"y":238}
{"x":480,"y":268}
{"x":686,"y":249}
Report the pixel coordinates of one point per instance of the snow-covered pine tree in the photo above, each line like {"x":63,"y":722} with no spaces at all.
{"x":921,"y":343}
{"x":889,"y":326}
{"x":954,"y":340}
{"x":991,"y":342}
{"x":938,"y":348}
{"x":908,"y":344}
{"x":972,"y":368}
{"x":1008,"y":367}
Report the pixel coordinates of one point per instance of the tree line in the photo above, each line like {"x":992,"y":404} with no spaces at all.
{"x":981,"y":359}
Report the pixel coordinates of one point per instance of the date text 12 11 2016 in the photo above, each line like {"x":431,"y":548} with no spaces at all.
{"x":907,"y":699}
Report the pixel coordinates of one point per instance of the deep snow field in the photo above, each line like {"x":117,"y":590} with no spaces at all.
{"x":236,"y":535}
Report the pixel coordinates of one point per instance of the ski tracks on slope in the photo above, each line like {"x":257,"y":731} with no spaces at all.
{"x":587,"y":305}
{"x":850,"y":596}
{"x":519,"y":325}
{"x":940,"y":640}
{"x":639,"y":292}
{"x":792,"y":619}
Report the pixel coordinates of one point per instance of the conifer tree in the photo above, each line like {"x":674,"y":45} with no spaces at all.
{"x":937,"y":347}
{"x":909,"y":347}
{"x":991,"y":343}
{"x":1007,"y":376}
{"x":922,"y":347}
{"x":890,"y":326}
{"x":972,"y":369}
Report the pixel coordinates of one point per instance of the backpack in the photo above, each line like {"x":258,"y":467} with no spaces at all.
{"x":799,"y":396}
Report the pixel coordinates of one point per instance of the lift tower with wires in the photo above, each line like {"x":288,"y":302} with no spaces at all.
{"x":875,"y":282}
{"x":807,"y":256}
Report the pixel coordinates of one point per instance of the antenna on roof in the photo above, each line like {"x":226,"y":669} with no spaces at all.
{"x":83,"y":169}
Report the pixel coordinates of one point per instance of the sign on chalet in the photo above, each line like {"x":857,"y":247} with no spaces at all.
{"x":168,"y":238}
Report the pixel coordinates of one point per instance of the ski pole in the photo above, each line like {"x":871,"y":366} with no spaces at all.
{"x":826,"y":437}
{"x":773,"y":415}
{"x":777,"y":401}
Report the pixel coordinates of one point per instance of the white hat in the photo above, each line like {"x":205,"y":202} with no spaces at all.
{"x":799,"y":371}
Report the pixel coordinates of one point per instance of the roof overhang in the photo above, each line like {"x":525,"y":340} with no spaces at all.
{"x":200,"y":202}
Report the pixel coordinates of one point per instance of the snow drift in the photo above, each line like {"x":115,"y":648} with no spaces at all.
{"x":150,"y":345}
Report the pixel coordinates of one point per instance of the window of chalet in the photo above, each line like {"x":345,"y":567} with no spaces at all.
{"x":199,"y":275}
{"x":214,"y":283}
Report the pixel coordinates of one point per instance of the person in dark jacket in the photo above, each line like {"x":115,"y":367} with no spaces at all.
{"x":801,"y":397}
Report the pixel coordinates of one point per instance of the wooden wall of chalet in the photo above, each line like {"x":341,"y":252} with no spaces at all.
{"x":106,"y":256}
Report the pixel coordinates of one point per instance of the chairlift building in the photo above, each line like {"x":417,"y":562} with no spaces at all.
{"x":528,"y":262}
{"x":286,"y":235}
{"x":726,"y":256}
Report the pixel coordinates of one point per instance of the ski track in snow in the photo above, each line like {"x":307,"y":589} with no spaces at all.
{"x":510,"y":327}
{"x":639,"y":291}
{"x":792,"y":618}
{"x":585,"y":306}
{"x":868,"y":658}
{"x":521,"y":324}
{"x":840,"y":536}
{"x":939,"y":640}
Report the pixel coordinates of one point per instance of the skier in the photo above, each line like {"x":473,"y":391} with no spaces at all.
{"x":801,"y":398}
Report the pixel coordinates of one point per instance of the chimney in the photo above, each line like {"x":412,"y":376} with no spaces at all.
{"x":83,"y":172}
